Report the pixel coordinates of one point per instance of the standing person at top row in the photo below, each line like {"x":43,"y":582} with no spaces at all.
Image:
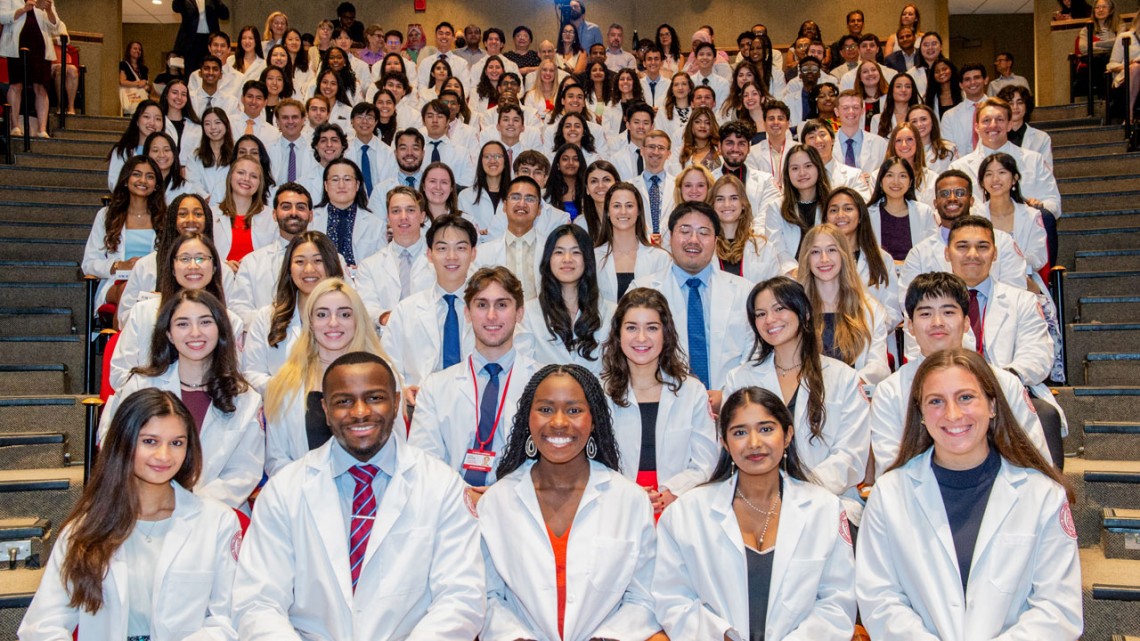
{"x":199,"y":19}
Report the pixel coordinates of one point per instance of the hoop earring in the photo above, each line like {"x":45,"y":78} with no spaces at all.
{"x":591,"y":449}
{"x":530,"y":448}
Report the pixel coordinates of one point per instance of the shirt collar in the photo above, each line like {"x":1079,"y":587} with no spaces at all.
{"x":985,"y":288}
{"x":440,"y":292}
{"x":705,"y":275}
{"x":527,"y":238}
{"x":507,"y":361}
{"x":385,"y":459}
{"x":648,"y":175}
{"x":417,"y":248}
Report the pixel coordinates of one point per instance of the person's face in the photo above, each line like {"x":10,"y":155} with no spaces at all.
{"x":472,"y":34}
{"x":576,"y":10}
{"x":278,"y":26}
{"x":560,"y":420}
{"x":364,"y":125}
{"x":219,"y":48}
{"x":385,"y":105}
{"x":318,"y":113}
{"x":136,"y":51}
{"x":437,"y":186}
{"x":694,"y":186}
{"x":523,"y":206}
{"x":997,"y":180}
{"x":850,"y":110}
{"x":451,"y":254}
{"x":816,"y":50}
{"x":855,"y":24}
{"x":776,"y":124}
{"x":494,"y":70}
{"x":246,"y":177}
{"x":821,"y":141}
{"x":597,"y":73}
{"x":756,"y":51}
{"x":869,"y":75}
{"x":824,"y":259}
{"x":1003,"y":65}
{"x":992,"y":126}
{"x":665,"y":37}
{"x":680,"y":87}
{"x":511,"y":125}
{"x":566,"y":261}
{"x":693,"y":241}
{"x":435,"y":123}
{"x":443,"y":38}
{"x":522,"y":41}
{"x":735,"y":150}
{"x":655,"y":152}
{"x":952,"y":198}
{"x":844,"y":214}
{"x":574,"y":100}
{"x":705,"y":59}
{"x":801,"y":47}
{"x":493,"y":160}
{"x":937,"y":324}
{"x":802,"y":172}
{"x":329,"y":86}
{"x":614,"y":38}
{"x":728,"y":205}
{"x":162,"y":154}
{"x":341,"y":185}
{"x":392,"y":65}
{"x":973,"y":83}
{"x":405,"y":219}
{"x":568,"y":34}
{"x":905,"y":144}
{"x":652,"y":63}
{"x":453,"y":84}
{"x":902,"y":90}
{"x":623,"y":211}
{"x":625,"y":84}
{"x":703,"y":97}
{"x":247,"y":149}
{"x":336,"y":60}
{"x":598,"y":182}
{"x":333,"y":322}
{"x":956,"y":413}
{"x":921,"y":121}
{"x":396,"y":87}
{"x":905,"y":39}
{"x":750,"y":97}
{"x":347,"y":18}
{"x":745,"y":46}
{"x":493,"y":315}
{"x":547,"y":73}
{"x":375,"y":40}
{"x":292,"y":213}
{"x":546,"y":50}
{"x":849,"y":51}
{"x":393,"y":44}
{"x":908,"y":16}
{"x":568,"y":163}
{"x":248,"y":42}
{"x":809,"y":71}
{"x":177,"y":97}
{"x":193,"y":265}
{"x":536,"y":173}
{"x":756,"y":441}
{"x":1102,"y":9}
{"x":971,"y":254}
{"x":293,"y":43}
{"x":150,"y":121}
{"x":1017,"y":106}
{"x":160,"y":451}
{"x":825,"y":100}
{"x":190,"y":217}
{"x":896,"y":182}
{"x":597,"y":53}
{"x":360,"y":406}
{"x":642,"y":336}
{"x":344,"y":41}
{"x":307,"y":268}
{"x":778,"y":325}
{"x":930,"y":48}
{"x":213,"y":127}
{"x":253,"y":101}
{"x":702,"y":128}
{"x":868,"y":50}
{"x":193,"y":332}
{"x":275,"y":82}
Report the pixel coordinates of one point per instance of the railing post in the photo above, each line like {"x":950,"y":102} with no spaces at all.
{"x":8,"y":151}
{"x":63,"y":39}
{"x":28,"y":100}
{"x":93,"y":407}
{"x":1129,"y":130}
{"x":1089,"y":53}
{"x":1057,"y":290}
{"x":89,"y":333}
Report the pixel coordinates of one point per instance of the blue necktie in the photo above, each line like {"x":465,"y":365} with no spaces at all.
{"x":487,"y":411}
{"x":849,"y":157}
{"x":451,"y":347}
{"x":698,"y":346}
{"x":655,"y":203}
{"x":366,"y":169}
{"x":292,"y":168}
{"x":410,"y":181}
{"x":652,"y":91}
{"x":435,"y":150}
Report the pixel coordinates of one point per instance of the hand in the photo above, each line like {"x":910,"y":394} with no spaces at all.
{"x":1033,"y":202}
{"x":716,"y":397}
{"x":474,"y":494}
{"x":410,"y":393}
{"x":125,"y":265}
{"x":233,"y":265}
{"x":384,"y":318}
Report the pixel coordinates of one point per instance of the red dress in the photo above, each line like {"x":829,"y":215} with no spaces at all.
{"x":242,"y":243}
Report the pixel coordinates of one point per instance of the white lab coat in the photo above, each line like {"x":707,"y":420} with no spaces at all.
{"x":929,"y":255}
{"x":421,"y":577}
{"x":649,"y":260}
{"x":378,"y":277}
{"x":1028,"y":234}
{"x":260,"y":361}
{"x":233,"y":445}
{"x":888,"y":294}
{"x":790,"y":234}
{"x":1039,"y":141}
{"x":413,"y":337}
{"x":368,"y":234}
{"x":889,"y":407}
{"x":667,"y":188}
{"x":133,"y":348}
{"x":1037,"y":179}
{"x":445,"y":422}
{"x":609,"y":562}
{"x":685,"y":436}
{"x":840,"y":175}
{"x":922,"y":219}
{"x":534,"y":339}
{"x":764,"y":259}
{"x":98,"y":260}
{"x":838,"y":458}
{"x":870,"y":156}
{"x":701,"y":578}
{"x":761,"y":157}
{"x":958,"y":125}
{"x":1025,"y":577}
{"x":192,"y":583}
{"x":255,"y":283}
{"x":871,"y":364}
{"x":728,"y":336}
{"x":143,"y":284}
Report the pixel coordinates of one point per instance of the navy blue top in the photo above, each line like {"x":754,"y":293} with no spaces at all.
{"x":965,"y":494}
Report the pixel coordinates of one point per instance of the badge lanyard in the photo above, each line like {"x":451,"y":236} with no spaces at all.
{"x":480,"y":444}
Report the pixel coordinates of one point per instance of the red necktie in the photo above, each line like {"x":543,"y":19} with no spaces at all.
{"x":363,"y":514}
{"x":975,"y":314}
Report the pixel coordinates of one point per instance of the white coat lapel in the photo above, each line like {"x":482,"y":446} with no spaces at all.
{"x":629,"y":439}
{"x":1003,"y":496}
{"x":429,"y":328}
{"x":392,"y":503}
{"x":997,"y":311}
{"x":543,"y":562}
{"x":734,"y":592}
{"x":929,"y":499}
{"x":721,"y":306}
{"x":320,"y":493}
{"x":787,"y":539}
{"x":186,"y":506}
{"x":119,"y":575}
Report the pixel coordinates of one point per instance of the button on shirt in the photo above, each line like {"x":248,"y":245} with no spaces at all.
{"x":520,"y":259}
{"x":705,"y":276}
{"x":342,"y":461}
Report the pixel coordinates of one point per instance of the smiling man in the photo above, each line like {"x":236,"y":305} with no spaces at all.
{"x":353,"y":516}
{"x":402,"y":268}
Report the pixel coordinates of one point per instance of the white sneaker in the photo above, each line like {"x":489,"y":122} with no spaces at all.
{"x":17,"y":132}
{"x":43,"y":134}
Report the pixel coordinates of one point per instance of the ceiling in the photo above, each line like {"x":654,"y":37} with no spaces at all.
{"x":958,"y":7}
{"x":146,"y":11}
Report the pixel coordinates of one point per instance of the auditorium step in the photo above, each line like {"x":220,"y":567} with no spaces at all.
{"x":68,"y":295}
{"x":1087,"y":403}
{"x":52,"y":195}
{"x":1111,"y":368}
{"x":63,"y":160}
{"x":49,"y":493}
{"x":1115,"y":181}
{"x":1072,"y":151}
{"x":1101,"y":484}
{"x":32,"y":450}
{"x":91,"y":148}
{"x":94,"y":123}
{"x":1111,"y":590}
{"x":1082,"y":339}
{"x":45,"y":413}
{"x":1108,"y":260}
{"x":52,"y":176}
{"x":1108,"y":309}
{"x":1121,"y":533}
{"x":1080,"y":135}
{"x":1110,"y":440}
{"x":21,"y":211}
{"x":37,"y":378}
{"x":49,"y":320}
{"x":32,"y":349}
{"x":38,"y":230}
{"x":15,"y":248}
{"x":108,"y":138}
{"x":16,"y":591}
{"x":1084,"y":284}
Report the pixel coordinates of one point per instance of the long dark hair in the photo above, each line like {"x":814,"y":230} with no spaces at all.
{"x":300,"y":60}
{"x":239,"y":55}
{"x":169,"y":232}
{"x":341,"y":89}
{"x":675,"y":47}
{"x":595,"y":220}
{"x":168,"y":285}
{"x":788,"y":207}
{"x":606,"y":233}
{"x":131,"y":138}
{"x":576,"y":335}
{"x":672,"y":367}
{"x":791,"y":295}
{"x":480,"y":185}
{"x":109,"y":507}
{"x":557,"y":185}
{"x":285,"y":300}
{"x":737,"y":401}
{"x":173,"y":179}
{"x":879,"y":197}
{"x":225,"y":379}
{"x":887,"y":116}
{"x":588,"y":141}
{"x":515,"y":452}
{"x":287,"y":88}
{"x":615,"y":92}
{"x":205,"y":151}
{"x":188,"y":112}
{"x":934,"y":90}
{"x":1005,"y":434}
{"x":591,"y":89}
{"x":115,"y":220}
{"x":485,"y":89}
{"x":865,"y":241}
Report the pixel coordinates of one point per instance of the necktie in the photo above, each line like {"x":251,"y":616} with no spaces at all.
{"x":698,"y":347}
{"x":849,"y":155}
{"x":705,"y":82}
{"x":410,"y":181}
{"x":640,"y":162}
{"x":209,"y":101}
{"x":975,"y":314}
{"x":655,"y":203}
{"x":487,"y":410}
{"x":366,"y":169}
{"x":510,"y":157}
{"x":435,"y":150}
{"x":652,"y":91}
{"x":292,"y":171}
{"x":405,"y":273}
{"x":249,"y":127}
{"x":973,"y":128}
{"x":363,"y":515}
{"x":450,"y":333}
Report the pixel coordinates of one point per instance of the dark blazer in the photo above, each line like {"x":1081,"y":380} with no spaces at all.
{"x":896,"y":61}
{"x":215,"y":10}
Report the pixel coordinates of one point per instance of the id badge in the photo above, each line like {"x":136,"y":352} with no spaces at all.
{"x":479,"y":461}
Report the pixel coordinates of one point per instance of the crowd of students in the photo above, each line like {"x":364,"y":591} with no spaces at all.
{"x":778,"y":373}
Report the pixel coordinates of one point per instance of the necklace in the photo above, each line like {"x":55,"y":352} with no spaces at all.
{"x":153,"y":527}
{"x":192,"y":385}
{"x":784,"y":371}
{"x":772,"y":509}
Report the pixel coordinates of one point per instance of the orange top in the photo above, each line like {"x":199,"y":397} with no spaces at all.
{"x":558,"y":543}
{"x":242,"y":243}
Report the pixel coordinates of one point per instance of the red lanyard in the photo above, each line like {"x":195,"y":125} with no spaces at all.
{"x":502,"y":403}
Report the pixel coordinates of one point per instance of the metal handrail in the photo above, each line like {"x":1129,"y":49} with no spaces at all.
{"x":94,"y":408}
{"x":1089,"y":55}
{"x":9,"y":154}
{"x":1130,"y":133}
{"x":89,"y":333}
{"x":29,"y":101}
{"x":1057,"y":290}
{"x":63,"y":40}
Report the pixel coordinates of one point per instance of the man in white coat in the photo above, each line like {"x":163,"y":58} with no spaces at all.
{"x":735,"y":146}
{"x":466,"y":411}
{"x":708,"y":304}
{"x":853,"y":146}
{"x":362,"y":513}
{"x":402,"y":268}
{"x":768,"y":156}
{"x":291,"y":156}
{"x":958,"y":122}
{"x":654,"y":86}
{"x":938,"y":308}
{"x":655,"y":183}
{"x":520,"y":246}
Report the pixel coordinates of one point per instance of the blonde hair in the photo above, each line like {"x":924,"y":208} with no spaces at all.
{"x":733,"y":250}
{"x":919,"y":164}
{"x":701,"y":169}
{"x":267,"y":33}
{"x":302,"y":370}
{"x":852,"y":333}
{"x":258,"y":204}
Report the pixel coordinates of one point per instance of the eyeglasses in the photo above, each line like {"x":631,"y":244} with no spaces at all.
{"x":656,"y":148}
{"x":492,"y":156}
{"x":185,"y":260}
{"x":957,"y":193}
{"x":850,"y":47}
{"x":528,"y":199}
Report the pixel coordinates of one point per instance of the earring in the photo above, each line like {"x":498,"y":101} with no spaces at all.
{"x":591,"y":448}
{"x":531,"y":449}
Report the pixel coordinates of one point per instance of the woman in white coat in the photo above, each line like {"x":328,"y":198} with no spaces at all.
{"x":741,"y":250}
{"x":147,"y":119}
{"x":806,"y":187}
{"x":846,"y":209}
{"x":969,"y":535}
{"x":194,"y":357}
{"x":346,"y":199}
{"x":623,"y":251}
{"x":733,"y":564}
{"x":141,"y":556}
{"x":850,"y":324}
{"x":245,"y":209}
{"x":569,"y":320}
{"x":479,"y":202}
{"x":662,"y":423}
{"x":31,"y":25}
{"x":1005,"y":207}
{"x":899,"y":221}
{"x":824,"y":394}
{"x":569,"y":541}
{"x":308,"y":260}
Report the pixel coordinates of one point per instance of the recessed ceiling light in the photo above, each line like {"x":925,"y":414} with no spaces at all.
{"x":156,"y":1}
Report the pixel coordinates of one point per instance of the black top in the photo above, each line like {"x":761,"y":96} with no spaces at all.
{"x":316,"y":427}
{"x":736,"y":268}
{"x":895,"y":233}
{"x":829,"y":348}
{"x":625,"y":279}
{"x":125,"y":67}
{"x":1017,"y":136}
{"x":965,"y":494}
{"x":792,"y":403}
{"x":523,"y":60}
{"x":759,"y":583}
{"x":807,"y":213}
{"x":648,"y":462}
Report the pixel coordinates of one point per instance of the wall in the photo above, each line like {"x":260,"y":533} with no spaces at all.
{"x":979,"y":38}
{"x":156,"y":40}
{"x":102,"y":60}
